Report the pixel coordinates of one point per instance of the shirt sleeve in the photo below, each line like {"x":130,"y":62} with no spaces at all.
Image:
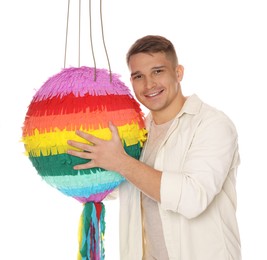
{"x":192,"y":183}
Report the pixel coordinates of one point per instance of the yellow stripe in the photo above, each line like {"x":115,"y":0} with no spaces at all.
{"x":56,"y":142}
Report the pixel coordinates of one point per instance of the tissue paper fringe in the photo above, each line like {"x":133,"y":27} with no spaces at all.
{"x":91,"y":232}
{"x":52,"y":143}
{"x":70,"y":104}
{"x":86,"y":121}
{"x":62,"y":164}
{"x":84,"y":185}
{"x":80,"y":81}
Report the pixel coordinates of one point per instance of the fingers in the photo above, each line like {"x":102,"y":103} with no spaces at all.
{"x":84,"y":166}
{"x":114,"y":131}
{"x":84,"y":155}
{"x":96,"y":150}
{"x":81,"y":146}
{"x":95,"y":140}
{"x":86,"y":150}
{"x":92,"y":139}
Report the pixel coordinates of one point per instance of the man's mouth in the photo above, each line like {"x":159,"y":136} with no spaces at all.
{"x":154,"y":94}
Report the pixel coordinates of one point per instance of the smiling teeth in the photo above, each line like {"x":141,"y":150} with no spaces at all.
{"x":153,"y":94}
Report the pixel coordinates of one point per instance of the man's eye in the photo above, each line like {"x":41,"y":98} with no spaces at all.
{"x":158,"y":71}
{"x":137,"y":77}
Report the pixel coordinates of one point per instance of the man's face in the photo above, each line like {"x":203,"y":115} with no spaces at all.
{"x":155,"y":81}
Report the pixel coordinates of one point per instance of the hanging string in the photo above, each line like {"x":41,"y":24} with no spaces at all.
{"x":102,"y":29}
{"x":91,"y":39}
{"x":79,"y":46}
{"x":66,"y":39}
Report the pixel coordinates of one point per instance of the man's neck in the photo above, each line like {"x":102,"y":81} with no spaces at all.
{"x":163,"y":116}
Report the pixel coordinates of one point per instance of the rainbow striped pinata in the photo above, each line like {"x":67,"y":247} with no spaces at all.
{"x":81,"y":98}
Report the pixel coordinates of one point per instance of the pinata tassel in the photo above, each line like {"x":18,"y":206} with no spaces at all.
{"x":91,"y":232}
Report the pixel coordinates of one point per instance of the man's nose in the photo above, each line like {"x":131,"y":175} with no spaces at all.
{"x":150,"y":83}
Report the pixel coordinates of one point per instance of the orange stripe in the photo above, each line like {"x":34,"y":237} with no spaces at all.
{"x":86,"y":121}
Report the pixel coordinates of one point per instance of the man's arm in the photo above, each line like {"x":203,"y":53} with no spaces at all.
{"x":110,"y":155}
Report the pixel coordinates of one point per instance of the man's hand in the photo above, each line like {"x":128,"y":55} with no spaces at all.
{"x":111,"y":156}
{"x":105,"y":154}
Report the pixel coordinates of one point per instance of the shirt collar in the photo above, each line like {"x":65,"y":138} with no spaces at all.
{"x":191,"y":106}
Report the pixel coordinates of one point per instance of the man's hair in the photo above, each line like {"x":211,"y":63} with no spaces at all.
{"x":152,"y":44}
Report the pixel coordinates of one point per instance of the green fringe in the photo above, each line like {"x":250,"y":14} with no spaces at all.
{"x":62,"y":164}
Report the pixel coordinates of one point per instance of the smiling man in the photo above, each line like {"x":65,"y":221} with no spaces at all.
{"x":180,"y":199}
{"x":156,"y":82}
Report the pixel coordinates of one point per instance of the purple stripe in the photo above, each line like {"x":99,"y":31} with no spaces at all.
{"x":80,"y":81}
{"x":94,"y":197}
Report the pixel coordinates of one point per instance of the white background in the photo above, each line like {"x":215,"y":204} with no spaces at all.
{"x":222,"y":45}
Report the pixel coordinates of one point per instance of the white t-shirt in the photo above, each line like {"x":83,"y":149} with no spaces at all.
{"x":154,"y":244}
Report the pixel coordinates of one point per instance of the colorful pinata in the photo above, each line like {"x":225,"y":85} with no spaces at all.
{"x":87,"y":99}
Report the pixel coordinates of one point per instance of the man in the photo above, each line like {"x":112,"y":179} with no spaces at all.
{"x":180,"y":198}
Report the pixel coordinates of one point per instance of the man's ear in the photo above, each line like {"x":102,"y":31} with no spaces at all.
{"x":179,"y":72}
